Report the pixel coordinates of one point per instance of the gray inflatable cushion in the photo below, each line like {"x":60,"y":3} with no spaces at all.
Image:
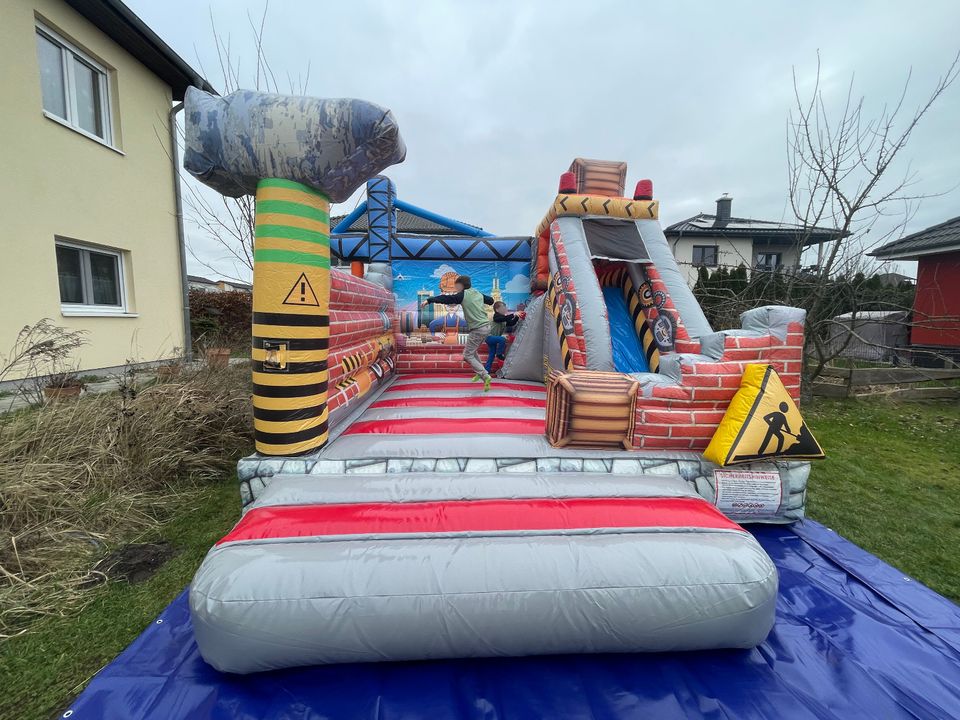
{"x":334,"y":146}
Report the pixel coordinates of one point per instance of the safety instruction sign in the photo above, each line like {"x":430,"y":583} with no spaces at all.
{"x":748,"y":492}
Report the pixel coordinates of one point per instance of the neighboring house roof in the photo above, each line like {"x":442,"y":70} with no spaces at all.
{"x":406,"y":223}
{"x":123,"y":26}
{"x":706,"y":225}
{"x":892,"y":279}
{"x":937,"y":239}
{"x":200,"y":280}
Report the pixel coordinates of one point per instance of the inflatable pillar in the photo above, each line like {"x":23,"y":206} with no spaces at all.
{"x":291,"y":326}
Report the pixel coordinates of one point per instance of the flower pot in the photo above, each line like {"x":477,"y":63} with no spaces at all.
{"x":53,"y":394}
{"x":218,"y":357}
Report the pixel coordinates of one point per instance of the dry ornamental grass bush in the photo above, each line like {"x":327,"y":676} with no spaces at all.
{"x":77,"y":477}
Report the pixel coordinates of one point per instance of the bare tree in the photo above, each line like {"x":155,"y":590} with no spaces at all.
{"x":843,"y":173}
{"x":229,"y":222}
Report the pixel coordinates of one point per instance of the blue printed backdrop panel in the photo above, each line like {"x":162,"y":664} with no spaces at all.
{"x":416,"y":280}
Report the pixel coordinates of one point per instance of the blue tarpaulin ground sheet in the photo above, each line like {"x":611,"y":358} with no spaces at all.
{"x":854,"y":638}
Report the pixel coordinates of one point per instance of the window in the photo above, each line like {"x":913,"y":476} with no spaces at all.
{"x":74,"y":87}
{"x":90,"y":279}
{"x":768,"y":261}
{"x":705,"y":255}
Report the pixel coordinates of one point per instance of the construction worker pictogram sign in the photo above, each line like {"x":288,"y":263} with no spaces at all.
{"x":301,"y":293}
{"x":762,"y":423}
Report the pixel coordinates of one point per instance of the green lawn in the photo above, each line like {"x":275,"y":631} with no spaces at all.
{"x":42,"y":671}
{"x":891,"y":484}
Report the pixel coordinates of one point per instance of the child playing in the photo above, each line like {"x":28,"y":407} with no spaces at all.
{"x":503,"y":323}
{"x":478,"y":326}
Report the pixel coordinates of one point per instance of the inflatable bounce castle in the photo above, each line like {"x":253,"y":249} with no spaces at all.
{"x":393,"y":510}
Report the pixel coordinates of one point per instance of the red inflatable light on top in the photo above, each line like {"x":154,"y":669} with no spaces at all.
{"x":644,"y":190}
{"x":568,"y":183}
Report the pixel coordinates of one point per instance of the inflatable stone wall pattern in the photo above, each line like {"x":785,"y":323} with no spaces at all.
{"x":255,"y":472}
{"x":331,"y":145}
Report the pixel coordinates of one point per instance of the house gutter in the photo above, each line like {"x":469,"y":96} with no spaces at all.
{"x":181,"y":235}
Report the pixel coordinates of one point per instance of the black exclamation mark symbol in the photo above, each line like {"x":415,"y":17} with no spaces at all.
{"x":303,"y":293}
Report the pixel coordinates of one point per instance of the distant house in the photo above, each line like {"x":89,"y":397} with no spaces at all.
{"x":88,"y":192}
{"x":198,"y":282}
{"x":936,"y":305}
{"x":721,"y":240}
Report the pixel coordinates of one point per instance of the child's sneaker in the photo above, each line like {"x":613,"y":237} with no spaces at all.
{"x":486,"y":384}
{"x":475,"y":378}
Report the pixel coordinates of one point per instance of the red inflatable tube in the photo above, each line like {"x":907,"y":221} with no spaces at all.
{"x":444,"y":426}
{"x":506,"y":515}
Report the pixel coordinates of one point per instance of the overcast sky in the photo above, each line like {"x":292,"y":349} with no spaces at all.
{"x":494,"y":99}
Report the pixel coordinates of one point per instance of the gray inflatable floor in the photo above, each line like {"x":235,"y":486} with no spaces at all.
{"x":447,"y":416}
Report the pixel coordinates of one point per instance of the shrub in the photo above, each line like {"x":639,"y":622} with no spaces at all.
{"x":76,"y":478}
{"x":220,"y":318}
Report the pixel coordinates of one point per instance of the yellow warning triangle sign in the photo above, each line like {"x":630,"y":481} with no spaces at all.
{"x":762,"y":423}
{"x":301,"y":293}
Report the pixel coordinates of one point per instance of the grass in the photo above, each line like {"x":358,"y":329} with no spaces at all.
{"x":891,"y":483}
{"x":43,"y":670}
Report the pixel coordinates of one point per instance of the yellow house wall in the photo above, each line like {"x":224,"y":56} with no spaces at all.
{"x":57,"y":182}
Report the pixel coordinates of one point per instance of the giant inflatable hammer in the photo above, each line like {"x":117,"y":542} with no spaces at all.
{"x":296,"y":154}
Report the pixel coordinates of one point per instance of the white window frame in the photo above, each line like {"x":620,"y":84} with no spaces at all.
{"x":69,"y":82}
{"x":74,"y":309}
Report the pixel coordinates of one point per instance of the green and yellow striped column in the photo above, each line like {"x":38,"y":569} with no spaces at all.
{"x":291,"y":323}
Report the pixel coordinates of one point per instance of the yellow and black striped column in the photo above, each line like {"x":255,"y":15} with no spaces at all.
{"x":635,"y":305}
{"x":291,"y":323}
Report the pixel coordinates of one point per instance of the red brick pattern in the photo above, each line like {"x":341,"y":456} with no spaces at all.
{"x":578,"y":352}
{"x":350,"y":327}
{"x":370,"y":350}
{"x":416,"y":360}
{"x":352,"y":293}
{"x":685,"y":416}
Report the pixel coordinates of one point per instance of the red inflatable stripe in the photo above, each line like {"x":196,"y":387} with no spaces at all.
{"x":446,"y":426}
{"x":447,"y":376}
{"x":477,"y":387}
{"x":457,"y":402}
{"x":294,"y":521}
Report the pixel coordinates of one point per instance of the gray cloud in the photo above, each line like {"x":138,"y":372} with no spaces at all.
{"x":494,"y":99}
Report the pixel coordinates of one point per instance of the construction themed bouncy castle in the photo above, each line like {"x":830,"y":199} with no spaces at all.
{"x":394,"y":510}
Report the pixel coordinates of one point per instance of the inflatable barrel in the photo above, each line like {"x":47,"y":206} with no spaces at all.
{"x":291,"y":333}
{"x":591,"y":409}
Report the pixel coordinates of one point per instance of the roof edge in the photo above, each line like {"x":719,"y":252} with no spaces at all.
{"x":131,"y":33}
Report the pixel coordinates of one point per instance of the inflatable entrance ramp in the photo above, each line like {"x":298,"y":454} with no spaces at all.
{"x":364,"y":568}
